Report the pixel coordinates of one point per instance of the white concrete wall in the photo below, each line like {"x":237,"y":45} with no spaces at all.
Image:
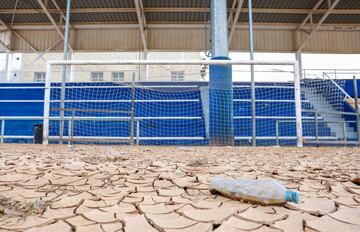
{"x":30,"y":64}
{"x":163,"y":72}
{"x":2,"y":67}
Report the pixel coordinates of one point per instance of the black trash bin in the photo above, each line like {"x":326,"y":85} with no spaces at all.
{"x":38,"y":133}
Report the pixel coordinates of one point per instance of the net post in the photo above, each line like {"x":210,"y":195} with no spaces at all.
{"x":356,"y":98}
{"x":69,"y":132}
{"x":71,"y":128}
{"x":316,"y":127}
{"x":132,"y":122}
{"x":64,"y":74}
{"x":344,"y":130}
{"x":137,"y":132}
{"x":2,"y":131}
{"x":221,"y":115}
{"x":252,"y":70}
{"x":221,"y":128}
{"x":253,"y":106}
{"x":62,"y":105}
{"x":277,"y":133}
{"x":297,"y":86}
{"x":47,"y":105}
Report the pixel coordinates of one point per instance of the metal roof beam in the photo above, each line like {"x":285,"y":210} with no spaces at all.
{"x":4,"y":46}
{"x":231,"y":12}
{"x":61,"y":12}
{"x":310,"y":15}
{"x":49,"y":16}
{"x":182,"y":25}
{"x":179,"y":10}
{"x":142,"y":22}
{"x":235,"y":21}
{"x":20,"y":36}
{"x":41,"y":55}
{"x":13,"y":15}
{"x":317,"y":27}
{"x":59,"y":9}
{"x":142,"y":12}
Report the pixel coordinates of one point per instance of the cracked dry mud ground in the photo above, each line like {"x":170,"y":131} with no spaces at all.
{"x":102,"y":188}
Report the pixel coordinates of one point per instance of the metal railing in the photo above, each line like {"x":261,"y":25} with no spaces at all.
{"x":325,"y":74}
{"x":337,"y":73}
{"x":73,"y":111}
{"x":70,"y":138}
{"x":355,"y":100}
{"x":317,"y":139}
{"x":15,"y":118}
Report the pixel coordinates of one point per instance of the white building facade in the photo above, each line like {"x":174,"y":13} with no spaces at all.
{"x":30,"y":67}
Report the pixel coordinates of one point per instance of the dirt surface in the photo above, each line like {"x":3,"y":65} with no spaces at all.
{"x":108,"y":188}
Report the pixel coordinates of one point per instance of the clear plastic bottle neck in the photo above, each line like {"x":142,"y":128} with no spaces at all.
{"x":291,"y":196}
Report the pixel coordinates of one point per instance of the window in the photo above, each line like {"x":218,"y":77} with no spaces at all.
{"x":118,"y":76}
{"x":40,"y":77}
{"x":177,"y":76}
{"x":97,"y":76}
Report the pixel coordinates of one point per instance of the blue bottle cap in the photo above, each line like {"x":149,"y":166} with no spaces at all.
{"x":292,"y":196}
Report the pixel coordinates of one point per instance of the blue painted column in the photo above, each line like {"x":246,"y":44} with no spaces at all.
{"x":221,"y":126}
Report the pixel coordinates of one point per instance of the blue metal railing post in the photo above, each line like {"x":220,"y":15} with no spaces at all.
{"x":221,"y":126}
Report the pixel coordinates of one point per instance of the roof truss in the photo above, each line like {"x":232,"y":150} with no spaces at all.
{"x":178,"y":9}
{"x":141,"y":20}
{"x":331,"y":5}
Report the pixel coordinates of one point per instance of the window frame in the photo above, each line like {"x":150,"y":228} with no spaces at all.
{"x":39,"y":77}
{"x":177,"y":76}
{"x":99,"y":76}
{"x":118,"y":74}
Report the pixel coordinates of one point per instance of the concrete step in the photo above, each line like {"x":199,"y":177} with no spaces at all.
{"x":318,"y":101}
{"x":351,"y":135}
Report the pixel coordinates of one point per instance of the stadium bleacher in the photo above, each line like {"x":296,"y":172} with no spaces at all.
{"x":157,"y":107}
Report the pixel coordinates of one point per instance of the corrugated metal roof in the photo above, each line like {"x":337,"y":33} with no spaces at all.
{"x":158,"y":12}
{"x":28,"y":18}
{"x":98,"y":3}
{"x":275,"y":18}
{"x":281,"y":4}
{"x":103,"y":17}
{"x":345,"y":4}
{"x":176,"y":3}
{"x":27,"y":4}
{"x":343,"y":19}
{"x":176,"y":16}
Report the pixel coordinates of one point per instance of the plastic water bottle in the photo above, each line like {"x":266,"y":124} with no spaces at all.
{"x":263,"y":192}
